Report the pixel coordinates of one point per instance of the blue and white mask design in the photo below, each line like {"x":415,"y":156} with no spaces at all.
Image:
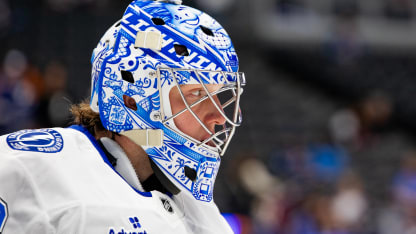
{"x":154,"y":48}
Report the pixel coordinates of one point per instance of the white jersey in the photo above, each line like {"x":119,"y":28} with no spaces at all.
{"x":60,"y":181}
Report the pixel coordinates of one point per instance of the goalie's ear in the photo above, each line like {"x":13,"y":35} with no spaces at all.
{"x":130,"y":102}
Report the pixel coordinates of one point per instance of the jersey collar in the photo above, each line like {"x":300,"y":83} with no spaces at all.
{"x":103,"y":155}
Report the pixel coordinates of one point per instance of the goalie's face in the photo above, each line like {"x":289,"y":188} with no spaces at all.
{"x":206,"y":111}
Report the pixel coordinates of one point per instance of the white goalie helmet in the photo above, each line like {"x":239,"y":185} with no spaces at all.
{"x":155,"y":49}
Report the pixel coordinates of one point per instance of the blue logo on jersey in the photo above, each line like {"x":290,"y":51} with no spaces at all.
{"x":3,"y":214}
{"x":135,"y":222}
{"x":136,"y":225}
{"x":39,"y":140}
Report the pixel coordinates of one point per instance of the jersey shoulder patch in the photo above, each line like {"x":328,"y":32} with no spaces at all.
{"x":4,"y":213}
{"x":36,"y":140}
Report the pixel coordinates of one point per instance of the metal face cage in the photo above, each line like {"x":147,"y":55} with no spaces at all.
{"x":225,"y":99}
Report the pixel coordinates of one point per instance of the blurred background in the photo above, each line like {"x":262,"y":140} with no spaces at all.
{"x":328,"y":140}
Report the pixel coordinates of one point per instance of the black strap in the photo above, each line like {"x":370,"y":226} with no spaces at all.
{"x":163,"y":180}
{"x":153,"y":183}
{"x":110,"y":157}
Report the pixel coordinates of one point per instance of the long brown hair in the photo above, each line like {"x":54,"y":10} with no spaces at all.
{"x":83,"y":115}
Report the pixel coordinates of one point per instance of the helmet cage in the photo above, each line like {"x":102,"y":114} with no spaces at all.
{"x":233,"y":82}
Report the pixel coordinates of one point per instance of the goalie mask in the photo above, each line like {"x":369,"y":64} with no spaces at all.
{"x":156,"y":51}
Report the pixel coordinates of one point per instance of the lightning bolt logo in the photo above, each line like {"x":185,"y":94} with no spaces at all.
{"x":35,"y":139}
{"x":40,"y":140}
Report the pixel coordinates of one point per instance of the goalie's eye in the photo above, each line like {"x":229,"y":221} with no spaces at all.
{"x":197,"y":93}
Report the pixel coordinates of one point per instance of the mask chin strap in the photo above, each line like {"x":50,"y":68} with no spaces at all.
{"x":145,"y":137}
